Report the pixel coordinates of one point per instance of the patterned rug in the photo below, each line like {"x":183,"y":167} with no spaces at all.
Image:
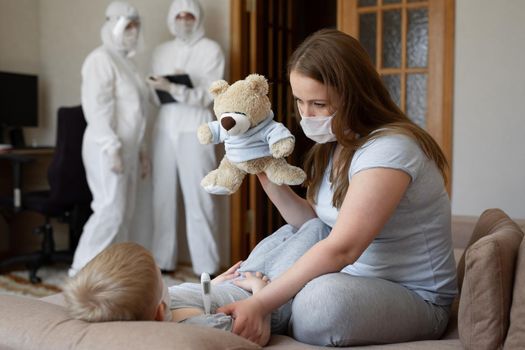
{"x":54,"y":277}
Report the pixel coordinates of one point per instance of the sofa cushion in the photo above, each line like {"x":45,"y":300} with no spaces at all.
{"x":516,"y":334}
{"x":34,"y":324}
{"x":488,"y":222}
{"x":487,"y":285}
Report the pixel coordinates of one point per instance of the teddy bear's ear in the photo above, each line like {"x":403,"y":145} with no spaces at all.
{"x":258,"y":83}
{"x":218,"y":87}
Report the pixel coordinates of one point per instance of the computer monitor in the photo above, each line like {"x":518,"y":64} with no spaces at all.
{"x":18,"y":103}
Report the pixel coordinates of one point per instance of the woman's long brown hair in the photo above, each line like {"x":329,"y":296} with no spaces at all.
{"x":364,"y":105}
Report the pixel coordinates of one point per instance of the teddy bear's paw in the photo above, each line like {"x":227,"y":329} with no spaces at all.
{"x":282,"y":148}
{"x":290,"y":175}
{"x":216,"y":189}
{"x":298,"y":176}
{"x":209,"y":183}
{"x":204,"y":134}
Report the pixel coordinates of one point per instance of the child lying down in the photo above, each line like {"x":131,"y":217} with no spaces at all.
{"x":123,"y":283}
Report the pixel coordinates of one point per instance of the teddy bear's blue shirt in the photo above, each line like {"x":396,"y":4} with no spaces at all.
{"x":254,"y":143}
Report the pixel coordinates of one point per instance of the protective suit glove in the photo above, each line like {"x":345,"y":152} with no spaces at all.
{"x":145,"y":164}
{"x":115,"y":162}
{"x":159,"y":83}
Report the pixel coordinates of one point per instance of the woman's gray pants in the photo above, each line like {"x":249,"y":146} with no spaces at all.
{"x":338,"y":309}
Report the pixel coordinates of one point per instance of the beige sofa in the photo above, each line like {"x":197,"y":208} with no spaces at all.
{"x":491,"y":308}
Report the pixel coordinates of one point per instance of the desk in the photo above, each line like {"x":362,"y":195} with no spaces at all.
{"x":32,"y":164}
{"x":20,"y":158}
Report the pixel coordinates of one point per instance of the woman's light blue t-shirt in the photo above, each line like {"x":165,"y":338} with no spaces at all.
{"x":414,"y":248}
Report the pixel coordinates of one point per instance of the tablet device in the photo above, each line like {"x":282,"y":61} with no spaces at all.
{"x":165,"y":97}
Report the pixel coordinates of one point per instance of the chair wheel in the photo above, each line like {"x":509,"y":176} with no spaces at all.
{"x":34,"y":279}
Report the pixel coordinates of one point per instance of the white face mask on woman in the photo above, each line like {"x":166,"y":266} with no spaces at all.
{"x":318,"y":128}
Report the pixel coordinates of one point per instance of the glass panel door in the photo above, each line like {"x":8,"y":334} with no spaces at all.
{"x":395,"y":35}
{"x":411,"y":43}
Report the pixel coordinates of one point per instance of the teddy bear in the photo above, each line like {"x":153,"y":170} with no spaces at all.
{"x":253,"y":141}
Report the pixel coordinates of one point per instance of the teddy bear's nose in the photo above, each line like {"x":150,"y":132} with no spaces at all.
{"x":227,"y":123}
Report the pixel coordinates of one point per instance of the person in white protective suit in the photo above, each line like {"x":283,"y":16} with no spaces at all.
{"x":179,"y":161}
{"x":114,"y":99}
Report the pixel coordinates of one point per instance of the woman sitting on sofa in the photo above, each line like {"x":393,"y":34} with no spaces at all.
{"x":386,"y":272}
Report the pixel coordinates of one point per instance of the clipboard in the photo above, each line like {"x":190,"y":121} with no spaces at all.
{"x":165,"y":97}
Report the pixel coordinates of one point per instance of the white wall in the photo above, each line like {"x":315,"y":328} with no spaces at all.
{"x":489,"y":107}
{"x":19,"y":24}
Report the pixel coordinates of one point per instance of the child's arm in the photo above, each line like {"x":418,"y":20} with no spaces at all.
{"x":184,"y":313}
{"x":252,"y":282}
{"x":178,"y":315}
{"x":228,"y":274}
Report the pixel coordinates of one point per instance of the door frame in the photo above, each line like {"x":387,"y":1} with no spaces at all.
{"x":243,"y":35}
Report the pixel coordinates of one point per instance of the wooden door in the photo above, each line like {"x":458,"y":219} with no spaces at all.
{"x":411,"y":43}
{"x":260,"y":44}
{"x":243,"y":60}
{"x":264,"y":34}
{"x":249,"y":218}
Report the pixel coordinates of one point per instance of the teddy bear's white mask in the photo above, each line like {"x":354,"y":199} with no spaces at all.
{"x":234,"y":123}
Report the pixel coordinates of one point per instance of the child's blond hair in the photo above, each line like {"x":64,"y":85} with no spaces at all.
{"x":119,"y":284}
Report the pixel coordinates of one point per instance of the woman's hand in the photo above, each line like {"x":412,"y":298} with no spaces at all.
{"x":229,"y":274}
{"x":250,"y":320}
{"x":145,"y":164}
{"x":116,"y":162}
{"x":159,"y":83}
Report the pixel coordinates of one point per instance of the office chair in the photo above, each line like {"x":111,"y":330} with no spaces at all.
{"x":6,"y":201}
{"x":5,"y":204}
{"x":68,"y":198}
